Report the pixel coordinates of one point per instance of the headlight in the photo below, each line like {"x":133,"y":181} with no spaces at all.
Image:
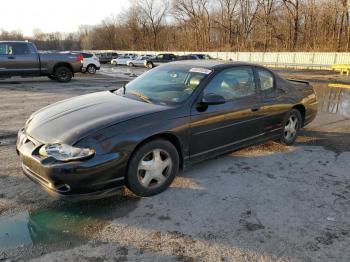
{"x":62,"y":152}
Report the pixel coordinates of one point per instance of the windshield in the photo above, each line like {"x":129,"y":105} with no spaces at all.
{"x":168,"y":85}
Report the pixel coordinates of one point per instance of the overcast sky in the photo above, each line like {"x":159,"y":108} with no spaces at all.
{"x":59,"y":15}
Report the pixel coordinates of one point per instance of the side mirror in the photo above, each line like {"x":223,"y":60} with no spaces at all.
{"x":213,"y":99}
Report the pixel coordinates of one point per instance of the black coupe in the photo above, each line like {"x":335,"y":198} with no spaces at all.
{"x":166,"y":119}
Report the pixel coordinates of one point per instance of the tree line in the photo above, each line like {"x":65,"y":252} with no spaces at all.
{"x":211,"y":25}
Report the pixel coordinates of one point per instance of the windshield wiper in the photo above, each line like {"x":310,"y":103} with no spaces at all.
{"x":141,"y":96}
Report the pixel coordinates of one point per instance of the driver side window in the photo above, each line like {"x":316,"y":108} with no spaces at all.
{"x":232,"y":83}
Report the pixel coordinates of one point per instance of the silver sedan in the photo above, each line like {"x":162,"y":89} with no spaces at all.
{"x":138,"y":61}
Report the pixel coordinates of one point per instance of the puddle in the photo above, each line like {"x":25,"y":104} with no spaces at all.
{"x":334,"y":98}
{"x":65,"y":225}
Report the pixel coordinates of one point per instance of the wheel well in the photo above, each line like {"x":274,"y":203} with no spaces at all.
{"x":62,"y":64}
{"x":166,"y":136}
{"x":91,"y":65}
{"x":302,"y":111}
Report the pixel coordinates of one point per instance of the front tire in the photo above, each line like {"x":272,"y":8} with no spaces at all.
{"x":63,"y":74}
{"x":290,"y":127}
{"x":152,"y":168}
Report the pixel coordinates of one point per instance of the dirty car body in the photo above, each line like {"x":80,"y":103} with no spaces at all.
{"x":113,"y":126}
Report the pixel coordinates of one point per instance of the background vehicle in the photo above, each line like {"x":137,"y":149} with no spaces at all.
{"x":159,"y":59}
{"x":187,"y":57}
{"x":201,"y":56}
{"x":18,"y":58}
{"x":91,"y":63}
{"x":106,"y":58}
{"x":121,"y":60}
{"x":138,"y":61}
{"x":168,"y":118}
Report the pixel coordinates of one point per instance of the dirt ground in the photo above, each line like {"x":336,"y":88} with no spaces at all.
{"x":265,"y":203}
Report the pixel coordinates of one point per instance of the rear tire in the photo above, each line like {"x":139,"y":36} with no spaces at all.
{"x":152,"y":168}
{"x":290,"y":127}
{"x":63,"y":74}
{"x":150,"y":65}
{"x":91,"y":69}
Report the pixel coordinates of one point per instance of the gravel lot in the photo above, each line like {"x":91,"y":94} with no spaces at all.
{"x":264,"y":203}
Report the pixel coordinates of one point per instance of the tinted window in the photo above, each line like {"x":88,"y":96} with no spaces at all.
{"x":85,"y":55}
{"x":232,"y":83}
{"x":3,"y":49}
{"x":20,"y":49}
{"x":266,"y":79}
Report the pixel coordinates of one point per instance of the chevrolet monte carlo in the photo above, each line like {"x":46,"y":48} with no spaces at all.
{"x":175,"y":115}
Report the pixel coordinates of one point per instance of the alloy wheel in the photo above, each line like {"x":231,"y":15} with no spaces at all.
{"x":291,"y":128}
{"x":91,"y":70}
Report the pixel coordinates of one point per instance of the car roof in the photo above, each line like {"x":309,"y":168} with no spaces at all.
{"x":211,"y":64}
{"x":11,"y":41}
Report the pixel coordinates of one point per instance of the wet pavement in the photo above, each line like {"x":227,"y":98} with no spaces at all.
{"x":334,"y":99}
{"x":67,"y":224}
{"x":264,"y":203}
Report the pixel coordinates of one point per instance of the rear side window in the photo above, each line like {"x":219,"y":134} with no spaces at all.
{"x":232,"y":83}
{"x":266,"y":79}
{"x":85,"y":55}
{"x":20,"y":49}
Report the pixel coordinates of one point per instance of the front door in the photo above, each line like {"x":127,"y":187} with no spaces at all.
{"x":4,"y":61}
{"x":22,"y":59}
{"x":219,"y":128}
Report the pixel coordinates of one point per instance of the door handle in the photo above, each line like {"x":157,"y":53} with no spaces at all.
{"x":255,"y":109}
{"x":11,"y":57}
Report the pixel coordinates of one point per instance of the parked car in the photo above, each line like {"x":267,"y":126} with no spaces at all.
{"x":186,"y":57}
{"x":138,"y":61}
{"x":201,"y":56}
{"x":19,"y":58}
{"x":193,"y":57}
{"x":159,"y":59}
{"x":106,"y":58}
{"x":91,"y":63}
{"x":122,"y":60}
{"x":167,"y":119}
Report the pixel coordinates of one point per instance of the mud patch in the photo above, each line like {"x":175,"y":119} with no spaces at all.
{"x":268,"y":148}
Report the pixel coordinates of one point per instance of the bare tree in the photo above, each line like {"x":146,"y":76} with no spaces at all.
{"x":227,"y":20}
{"x":153,"y":14}
{"x":293,"y":7}
{"x":344,"y":23}
{"x":248,"y":15}
{"x":195,"y":13}
{"x":266,"y":16}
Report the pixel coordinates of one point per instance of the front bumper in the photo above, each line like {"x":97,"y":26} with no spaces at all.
{"x":97,"y":177}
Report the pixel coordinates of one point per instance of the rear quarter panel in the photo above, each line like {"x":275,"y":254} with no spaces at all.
{"x":50,"y":60}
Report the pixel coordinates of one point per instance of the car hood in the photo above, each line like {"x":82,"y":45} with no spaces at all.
{"x":73,"y":119}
